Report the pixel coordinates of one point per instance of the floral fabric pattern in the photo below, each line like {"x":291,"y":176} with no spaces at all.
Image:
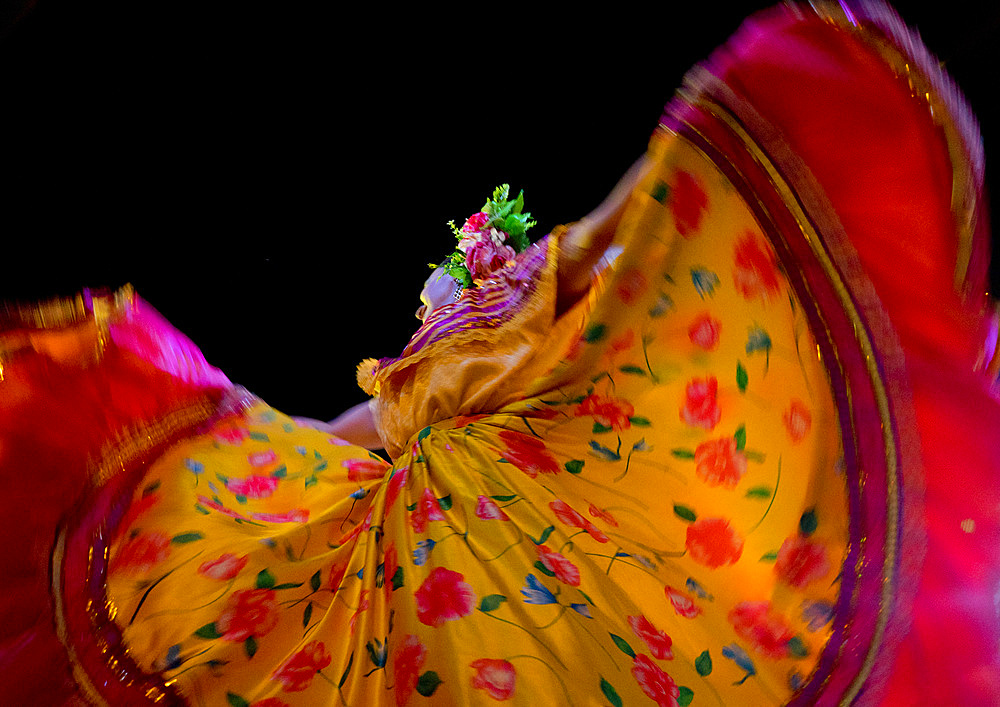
{"x":661,"y":519}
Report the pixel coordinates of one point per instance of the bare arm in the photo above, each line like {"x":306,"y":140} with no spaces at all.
{"x":355,"y":425}
{"x":585,"y":242}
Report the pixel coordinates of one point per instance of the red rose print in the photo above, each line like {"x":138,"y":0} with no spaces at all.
{"x":406,"y":668}
{"x":231,"y":434}
{"x":704,"y":332}
{"x":798,"y":421}
{"x":253,"y":486}
{"x":297,"y":673}
{"x":657,"y":685}
{"x":801,"y":561}
{"x":688,"y":202}
{"x":258,"y":459}
{"x":573,"y":519}
{"x":713,"y":543}
{"x":140,"y":554}
{"x":269,"y":702}
{"x":755,"y":269}
{"x":394,"y":486}
{"x":248,"y":612}
{"x":564,"y":570}
{"x":659,"y":642}
{"x":701,"y":406}
{"x":631,"y":286}
{"x":390,"y":565}
{"x":487,"y":509}
{"x":683,"y":604}
{"x":607,"y":411}
{"x":296,"y":515}
{"x":718,"y":463}
{"x":337,"y":573}
{"x":443,"y":596}
{"x":224,"y":567}
{"x":364,"y":469}
{"x":624,"y":341}
{"x":528,"y":454}
{"x":363,"y":605}
{"x":475,"y":222}
{"x":428,"y":509}
{"x":603,"y":515}
{"x":497,"y":677}
{"x":765,"y":631}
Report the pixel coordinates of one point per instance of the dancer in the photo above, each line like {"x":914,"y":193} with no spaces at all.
{"x":700,"y":447}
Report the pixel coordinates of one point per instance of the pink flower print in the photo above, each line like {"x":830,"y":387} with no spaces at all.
{"x":389,"y":566}
{"x":755,"y":268}
{"x":683,"y":604}
{"x":337,"y":572}
{"x":564,"y":570}
{"x":487,"y":509}
{"x":701,"y":406}
{"x":704,"y":332}
{"x":248,"y":612}
{"x":143,"y":552}
{"x":718,"y":463}
{"x":712,"y":542}
{"x":428,"y":509}
{"x":603,"y":515}
{"x":406,"y":667}
{"x":607,"y":411}
{"x":657,"y":685}
{"x":363,"y":605}
{"x":296,"y":515}
{"x":758,"y":625}
{"x":224,"y":567}
{"x":797,"y":420}
{"x":253,"y":486}
{"x":528,"y":454}
{"x":659,"y":643}
{"x":297,"y":673}
{"x":443,"y":596}
{"x":688,"y":202}
{"x":801,"y":562}
{"x":573,"y":519}
{"x":475,"y":223}
{"x":631,"y":286}
{"x":497,"y":677}
{"x":394,"y":487}
{"x":209,"y":503}
{"x":230,"y":434}
{"x":364,"y":469}
{"x":259,"y":459}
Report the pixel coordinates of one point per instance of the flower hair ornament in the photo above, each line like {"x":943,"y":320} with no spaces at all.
{"x":489,"y":239}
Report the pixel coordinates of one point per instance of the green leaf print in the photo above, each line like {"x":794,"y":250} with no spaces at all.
{"x":307,"y":615}
{"x":265,"y":580}
{"x":610,"y":693}
{"x":186,"y":538}
{"x":685,"y":513}
{"x":685,"y":696}
{"x":544,"y":536}
{"x":236,"y":700}
{"x":660,"y":191}
{"x":770,"y":556}
{"x":797,"y":647}
{"x":208,"y":631}
{"x":633,"y":370}
{"x":742,"y":379}
{"x":595,"y":332}
{"x":703,"y":664}
{"x":600,"y":429}
{"x":315,"y":581}
{"x":759,"y":492}
{"x":640,"y":421}
{"x":347,"y":671}
{"x":445,"y":503}
{"x":543,"y":569}
{"x":808,"y":522}
{"x":250,"y":646}
{"x":574,"y":466}
{"x":741,"y":438}
{"x":397,"y":578}
{"x":623,"y":645}
{"x":682,"y":453}
{"x":491,"y":602}
{"x":428,"y":683}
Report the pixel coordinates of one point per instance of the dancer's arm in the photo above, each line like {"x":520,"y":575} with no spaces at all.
{"x":355,"y":425}
{"x":585,"y":242}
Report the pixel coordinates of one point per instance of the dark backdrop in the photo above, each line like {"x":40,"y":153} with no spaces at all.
{"x":275,"y":179}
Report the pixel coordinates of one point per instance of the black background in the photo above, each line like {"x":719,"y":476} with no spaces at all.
{"x":274,"y":177}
